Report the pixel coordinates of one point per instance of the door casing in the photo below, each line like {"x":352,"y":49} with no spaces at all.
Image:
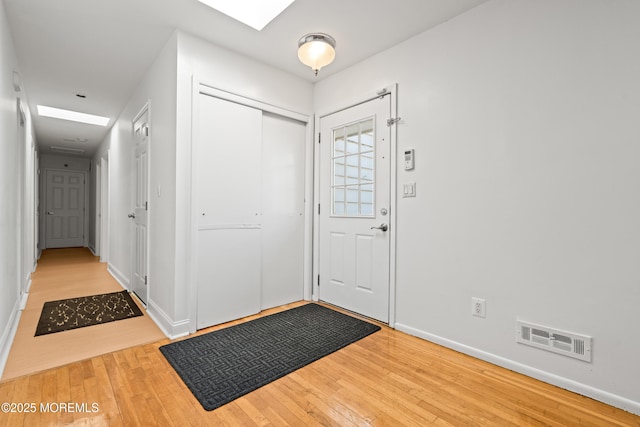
{"x":391,"y":91}
{"x":141,"y":209}
{"x":200,"y":87}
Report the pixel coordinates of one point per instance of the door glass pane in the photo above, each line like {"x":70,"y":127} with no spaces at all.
{"x":353,"y":169}
{"x":338,"y":171}
{"x":353,"y":138}
{"x":366,"y":138}
{"x":338,"y":143}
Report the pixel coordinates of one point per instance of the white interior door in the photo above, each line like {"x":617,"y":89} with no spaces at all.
{"x":355,"y":214}
{"x":228,"y":202}
{"x":140,"y":213}
{"x":65,"y":213}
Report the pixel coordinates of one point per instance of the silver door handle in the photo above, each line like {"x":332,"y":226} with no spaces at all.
{"x":131,"y":215}
{"x":50,"y":213}
{"x":383,"y":227}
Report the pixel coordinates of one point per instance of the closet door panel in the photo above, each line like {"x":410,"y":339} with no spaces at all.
{"x":228,"y":200}
{"x":283,"y":185}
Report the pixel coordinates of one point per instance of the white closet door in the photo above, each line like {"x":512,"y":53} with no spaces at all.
{"x":229,"y":174}
{"x":283,"y":183}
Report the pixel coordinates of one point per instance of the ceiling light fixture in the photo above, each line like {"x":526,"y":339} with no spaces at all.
{"x":74,"y":116}
{"x":316,"y":50}
{"x":254,"y":13}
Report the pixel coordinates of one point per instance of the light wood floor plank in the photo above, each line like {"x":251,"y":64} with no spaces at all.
{"x":386,"y":379}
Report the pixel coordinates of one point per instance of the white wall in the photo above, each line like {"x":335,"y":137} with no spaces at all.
{"x":524,"y":119}
{"x":16,"y":165}
{"x":158,"y":85}
{"x":167,"y":85}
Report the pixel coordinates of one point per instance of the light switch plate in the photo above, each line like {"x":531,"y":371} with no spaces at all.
{"x":409,"y":190}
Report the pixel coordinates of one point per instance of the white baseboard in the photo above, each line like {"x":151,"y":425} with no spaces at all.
{"x":25,"y":295}
{"x":170,"y":328}
{"x":8,"y":335}
{"x":92,"y":249}
{"x":23,"y":300}
{"x":119,"y":276}
{"x":583,"y":389}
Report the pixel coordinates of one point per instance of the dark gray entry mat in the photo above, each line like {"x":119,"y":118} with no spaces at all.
{"x":220,"y":366}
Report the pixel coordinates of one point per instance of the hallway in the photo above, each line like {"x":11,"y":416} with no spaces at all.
{"x":70,"y":273}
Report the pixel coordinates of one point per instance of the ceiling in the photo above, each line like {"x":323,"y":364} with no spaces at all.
{"x":102,"y":48}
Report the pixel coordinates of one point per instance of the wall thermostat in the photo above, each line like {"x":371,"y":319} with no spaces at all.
{"x":409,"y":159}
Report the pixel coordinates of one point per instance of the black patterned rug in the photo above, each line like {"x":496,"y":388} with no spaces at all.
{"x":223,"y":365}
{"x":74,"y":313}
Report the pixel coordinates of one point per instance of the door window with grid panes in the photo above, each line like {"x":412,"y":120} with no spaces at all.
{"x":353,"y":169}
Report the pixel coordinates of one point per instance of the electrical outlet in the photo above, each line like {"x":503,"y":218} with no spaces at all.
{"x":478,"y":307}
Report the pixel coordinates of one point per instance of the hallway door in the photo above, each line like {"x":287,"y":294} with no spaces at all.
{"x":140,"y":213}
{"x":65,"y":210}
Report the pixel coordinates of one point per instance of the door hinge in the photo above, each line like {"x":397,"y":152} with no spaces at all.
{"x":146,"y":206}
{"x":393,"y":121}
{"x":319,"y":137}
{"x":318,"y":280}
{"x":145,"y":280}
{"x":318,"y":208}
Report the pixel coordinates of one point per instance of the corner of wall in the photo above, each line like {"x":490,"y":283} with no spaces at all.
{"x":120,"y":277}
{"x":8,"y":334}
{"x":172,"y":329}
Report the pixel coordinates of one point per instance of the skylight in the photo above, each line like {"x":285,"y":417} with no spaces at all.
{"x":254,"y":13}
{"x":74,"y":116}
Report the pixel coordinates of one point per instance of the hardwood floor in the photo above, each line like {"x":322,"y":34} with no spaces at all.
{"x":386,"y":379}
{"x":70,"y":273}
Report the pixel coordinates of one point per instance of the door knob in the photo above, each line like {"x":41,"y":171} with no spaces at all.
{"x":383,"y":227}
{"x":50,"y":213}
{"x":131,"y":215}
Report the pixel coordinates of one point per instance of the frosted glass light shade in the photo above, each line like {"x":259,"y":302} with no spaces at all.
{"x":316,"y":50}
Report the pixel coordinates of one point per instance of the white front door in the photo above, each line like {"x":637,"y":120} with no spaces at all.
{"x":64,"y":209}
{"x":141,"y":205}
{"x":355,"y":214}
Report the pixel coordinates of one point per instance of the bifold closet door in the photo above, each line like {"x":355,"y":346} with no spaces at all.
{"x":228,"y":199}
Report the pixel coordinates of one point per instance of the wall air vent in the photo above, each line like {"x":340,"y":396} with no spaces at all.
{"x":64,"y":150}
{"x":554,"y":340}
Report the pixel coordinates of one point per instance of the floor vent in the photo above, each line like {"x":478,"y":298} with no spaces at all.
{"x":561,"y":342}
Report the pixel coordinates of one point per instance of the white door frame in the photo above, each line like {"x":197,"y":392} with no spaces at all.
{"x":392,"y":90}
{"x":146,"y":109}
{"x":36,"y":208}
{"x":199,"y":87}
{"x":21,"y":229}
{"x":98,"y":219}
{"x":104,"y":209}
